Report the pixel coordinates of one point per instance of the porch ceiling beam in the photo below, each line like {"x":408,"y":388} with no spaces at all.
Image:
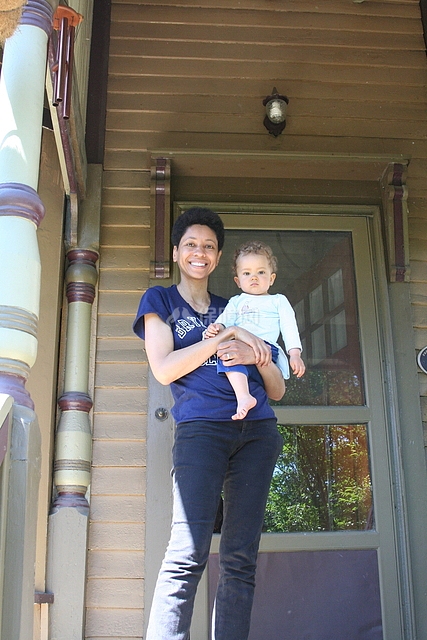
{"x":287,"y":165}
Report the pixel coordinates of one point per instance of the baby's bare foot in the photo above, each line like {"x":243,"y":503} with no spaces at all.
{"x":243,"y":406}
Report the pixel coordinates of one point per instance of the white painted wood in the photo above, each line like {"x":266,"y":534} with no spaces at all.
{"x":6,"y":403}
{"x":159,"y":485}
{"x":66,"y":619}
{"x":24,"y":66}
{"x":20,"y":550}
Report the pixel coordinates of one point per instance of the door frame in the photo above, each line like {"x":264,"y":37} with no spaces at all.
{"x":403,"y":447}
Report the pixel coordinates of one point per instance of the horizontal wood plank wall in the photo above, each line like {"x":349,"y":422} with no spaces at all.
{"x":187,"y":76}
{"x":116,"y":541}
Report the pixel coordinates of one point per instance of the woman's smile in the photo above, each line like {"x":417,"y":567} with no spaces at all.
{"x":198,"y":264}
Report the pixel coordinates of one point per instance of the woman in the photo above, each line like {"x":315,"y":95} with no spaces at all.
{"x":212,"y":453}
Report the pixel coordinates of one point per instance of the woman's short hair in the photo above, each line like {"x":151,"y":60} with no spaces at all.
{"x":258,"y":248}
{"x":198,"y":215}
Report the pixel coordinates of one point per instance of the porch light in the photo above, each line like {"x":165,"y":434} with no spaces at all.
{"x":275,"y":109}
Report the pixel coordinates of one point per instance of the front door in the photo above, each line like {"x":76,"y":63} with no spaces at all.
{"x":328,"y":566}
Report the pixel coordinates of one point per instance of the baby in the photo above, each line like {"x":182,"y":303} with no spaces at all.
{"x":263,"y":314}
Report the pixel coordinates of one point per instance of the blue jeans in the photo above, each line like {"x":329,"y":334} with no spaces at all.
{"x":237,"y":456}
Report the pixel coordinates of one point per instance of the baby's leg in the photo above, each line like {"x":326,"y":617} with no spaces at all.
{"x":245,"y":400}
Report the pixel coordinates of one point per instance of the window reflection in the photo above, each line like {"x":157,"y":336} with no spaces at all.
{"x":315,"y":298}
{"x":338,"y":332}
{"x":321,"y":481}
{"x":335,"y":289}
{"x":316,"y":273}
{"x":318,"y":345}
{"x":300,"y":314}
{"x":325,"y":293}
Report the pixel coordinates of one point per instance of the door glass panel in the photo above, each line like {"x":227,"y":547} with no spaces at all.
{"x":316,"y":273}
{"x":321,"y":481}
{"x":317,"y":595}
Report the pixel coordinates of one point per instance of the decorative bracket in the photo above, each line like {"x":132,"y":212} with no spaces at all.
{"x":160,"y":218}
{"x":395,"y":218}
{"x":65,"y":21}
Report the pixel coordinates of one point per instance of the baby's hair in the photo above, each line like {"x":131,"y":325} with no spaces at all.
{"x":259,"y":248}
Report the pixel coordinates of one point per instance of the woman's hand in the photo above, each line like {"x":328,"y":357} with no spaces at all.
{"x":237,"y":352}
{"x":261,"y":351}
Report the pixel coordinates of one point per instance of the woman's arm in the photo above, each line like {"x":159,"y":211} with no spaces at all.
{"x":273,"y":381}
{"x":168,"y":365}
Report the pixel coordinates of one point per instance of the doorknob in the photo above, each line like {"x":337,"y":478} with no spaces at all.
{"x":161,"y":413}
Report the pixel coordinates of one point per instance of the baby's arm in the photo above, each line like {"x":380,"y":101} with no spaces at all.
{"x":296,"y":363}
{"x":290,"y":334}
{"x":213,"y":330}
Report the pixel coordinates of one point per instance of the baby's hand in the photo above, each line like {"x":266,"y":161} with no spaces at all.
{"x":213,"y":330}
{"x":296,"y":363}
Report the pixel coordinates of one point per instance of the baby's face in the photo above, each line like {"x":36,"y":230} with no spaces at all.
{"x":254,"y":274}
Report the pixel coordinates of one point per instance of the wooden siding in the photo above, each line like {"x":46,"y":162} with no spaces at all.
{"x":116,"y":542}
{"x":187,"y":79}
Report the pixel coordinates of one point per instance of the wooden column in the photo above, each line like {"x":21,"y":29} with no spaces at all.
{"x":74,"y":438}
{"x":69,"y":517}
{"x":21,"y":212}
{"x":22,"y":86}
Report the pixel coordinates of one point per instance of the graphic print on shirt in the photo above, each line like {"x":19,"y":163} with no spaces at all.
{"x":182,"y":322}
{"x":184,"y":325}
{"x":251,"y":313}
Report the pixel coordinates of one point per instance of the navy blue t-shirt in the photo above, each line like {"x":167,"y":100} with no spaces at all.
{"x":202,"y":394}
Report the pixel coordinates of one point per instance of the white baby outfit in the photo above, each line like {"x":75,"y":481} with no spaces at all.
{"x":266,"y":316}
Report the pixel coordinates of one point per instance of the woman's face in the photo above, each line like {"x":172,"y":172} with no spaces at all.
{"x":197,"y":254}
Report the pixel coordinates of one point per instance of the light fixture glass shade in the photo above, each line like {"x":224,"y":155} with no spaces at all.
{"x":276,"y":110}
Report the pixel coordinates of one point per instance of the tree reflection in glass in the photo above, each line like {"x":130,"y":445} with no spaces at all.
{"x":321,"y":481}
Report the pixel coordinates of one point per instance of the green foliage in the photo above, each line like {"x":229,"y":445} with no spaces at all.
{"x":324,"y":387}
{"x":321,"y":481}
